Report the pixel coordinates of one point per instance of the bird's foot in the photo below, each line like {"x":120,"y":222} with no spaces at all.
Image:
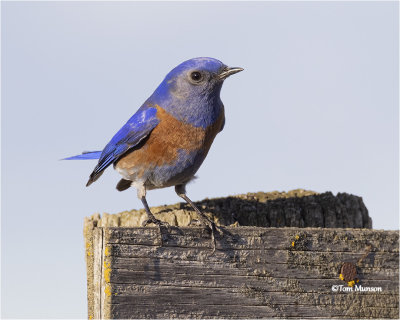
{"x":210,"y":225}
{"x":213,"y":228}
{"x":152,"y":219}
{"x":159,"y":223}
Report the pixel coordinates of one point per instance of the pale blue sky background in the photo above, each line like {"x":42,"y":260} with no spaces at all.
{"x":315,"y":108}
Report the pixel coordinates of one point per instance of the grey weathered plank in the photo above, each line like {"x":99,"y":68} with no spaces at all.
{"x":267,"y":238}
{"x":255,"y":273}
{"x":144,"y":264}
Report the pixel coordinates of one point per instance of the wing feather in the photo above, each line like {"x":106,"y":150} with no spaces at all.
{"x":138,"y":127}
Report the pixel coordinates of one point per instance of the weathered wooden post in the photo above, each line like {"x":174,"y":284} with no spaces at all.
{"x":296,"y":254}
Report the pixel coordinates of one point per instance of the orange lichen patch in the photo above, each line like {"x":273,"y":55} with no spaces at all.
{"x":88,"y":248}
{"x":107,"y":290}
{"x":297,"y":237}
{"x":167,"y":138}
{"x":351,"y":283}
{"x":107,"y":251}
{"x":107,"y":271}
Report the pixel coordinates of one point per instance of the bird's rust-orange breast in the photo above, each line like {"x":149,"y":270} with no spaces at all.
{"x":167,"y":138}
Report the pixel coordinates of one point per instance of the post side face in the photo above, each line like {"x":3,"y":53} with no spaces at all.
{"x":255,"y":273}
{"x":88,"y":233}
{"x":98,"y":299}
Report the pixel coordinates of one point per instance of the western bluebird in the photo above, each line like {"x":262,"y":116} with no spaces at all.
{"x":164,"y":143}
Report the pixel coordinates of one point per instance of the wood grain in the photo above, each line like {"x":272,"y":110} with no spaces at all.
{"x":255,"y":273}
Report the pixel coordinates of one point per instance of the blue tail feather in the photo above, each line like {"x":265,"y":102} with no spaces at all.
{"x":87,"y":155}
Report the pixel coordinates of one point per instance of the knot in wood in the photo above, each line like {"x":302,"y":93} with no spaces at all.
{"x":348,"y":271}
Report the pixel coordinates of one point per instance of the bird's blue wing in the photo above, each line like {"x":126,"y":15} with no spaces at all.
{"x":138,"y":127}
{"x":87,"y":155}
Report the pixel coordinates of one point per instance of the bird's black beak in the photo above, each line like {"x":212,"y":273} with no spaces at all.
{"x":226,"y":72}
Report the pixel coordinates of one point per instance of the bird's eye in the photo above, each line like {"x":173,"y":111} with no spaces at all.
{"x":196,"y":76}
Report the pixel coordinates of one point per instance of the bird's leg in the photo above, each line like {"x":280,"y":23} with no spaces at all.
{"x":150,"y":217}
{"x":180,"y":191}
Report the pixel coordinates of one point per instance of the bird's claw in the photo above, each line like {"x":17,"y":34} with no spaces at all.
{"x":157,"y":222}
{"x":213,"y":227}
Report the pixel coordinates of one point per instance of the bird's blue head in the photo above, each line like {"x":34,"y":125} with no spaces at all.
{"x":192,"y":88}
{"x":202,"y":76}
